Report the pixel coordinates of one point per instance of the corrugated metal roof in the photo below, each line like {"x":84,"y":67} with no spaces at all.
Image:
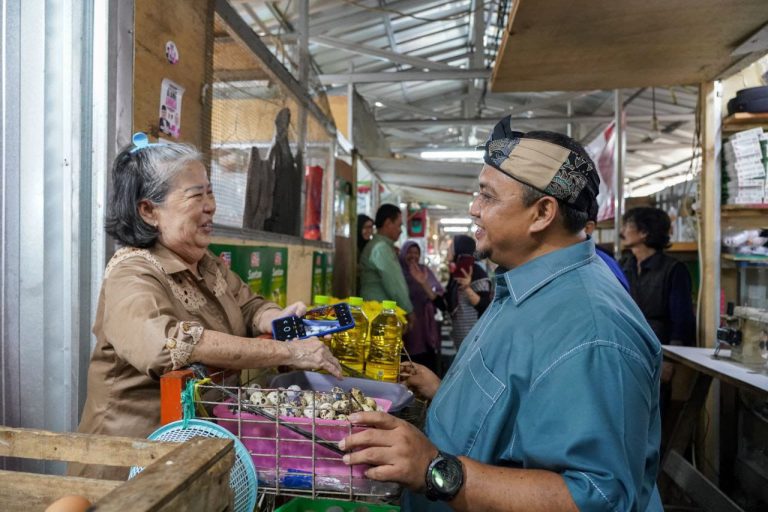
{"x":378,"y":36}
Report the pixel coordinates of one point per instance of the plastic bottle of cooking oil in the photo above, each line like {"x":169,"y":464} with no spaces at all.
{"x":383,"y":361}
{"x":349,"y":345}
{"x":319,"y":301}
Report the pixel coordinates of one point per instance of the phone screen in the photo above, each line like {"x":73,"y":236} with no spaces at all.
{"x":316,"y":322}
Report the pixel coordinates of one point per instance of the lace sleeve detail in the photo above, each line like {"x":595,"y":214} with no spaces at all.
{"x":182,"y":344}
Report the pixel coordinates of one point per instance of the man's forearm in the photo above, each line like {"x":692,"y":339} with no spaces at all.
{"x":493,"y":488}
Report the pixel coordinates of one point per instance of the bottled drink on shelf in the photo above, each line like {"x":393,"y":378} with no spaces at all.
{"x":383,"y":361}
{"x":349,"y":346}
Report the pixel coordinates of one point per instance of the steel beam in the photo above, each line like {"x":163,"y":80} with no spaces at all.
{"x":405,"y":76}
{"x":391,"y":56}
{"x":619,"y":157}
{"x":538,"y":119}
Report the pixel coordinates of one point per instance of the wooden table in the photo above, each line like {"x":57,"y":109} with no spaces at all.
{"x":707,"y":367}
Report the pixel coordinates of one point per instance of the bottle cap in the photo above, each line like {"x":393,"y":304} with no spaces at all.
{"x":322,"y":300}
{"x":389,"y":304}
{"x":355,"y":301}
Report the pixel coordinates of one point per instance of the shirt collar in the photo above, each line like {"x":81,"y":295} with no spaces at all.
{"x":388,"y":240}
{"x":172,"y":263}
{"x":523,"y":281}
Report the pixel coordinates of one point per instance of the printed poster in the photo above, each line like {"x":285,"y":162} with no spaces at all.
{"x":224,"y":252}
{"x":602,"y":151}
{"x":256,"y":258}
{"x":318,"y":278}
{"x":278,"y":279}
{"x":170,"y":108}
{"x":328,"y":273}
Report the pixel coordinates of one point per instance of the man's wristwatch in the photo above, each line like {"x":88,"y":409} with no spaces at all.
{"x":444,"y":478}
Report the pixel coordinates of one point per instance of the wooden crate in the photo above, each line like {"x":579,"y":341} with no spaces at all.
{"x":191,"y":476}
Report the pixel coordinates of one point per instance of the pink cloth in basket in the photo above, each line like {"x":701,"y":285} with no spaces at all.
{"x":292,"y":451}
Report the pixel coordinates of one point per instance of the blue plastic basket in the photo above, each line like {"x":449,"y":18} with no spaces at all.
{"x":242,"y":477}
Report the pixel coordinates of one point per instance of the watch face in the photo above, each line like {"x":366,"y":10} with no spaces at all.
{"x":447,"y":475}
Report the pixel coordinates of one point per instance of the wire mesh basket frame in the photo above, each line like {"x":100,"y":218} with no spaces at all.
{"x":313,"y":481}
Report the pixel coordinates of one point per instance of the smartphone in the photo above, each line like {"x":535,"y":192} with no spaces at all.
{"x":463,"y":262}
{"x":316,"y":322}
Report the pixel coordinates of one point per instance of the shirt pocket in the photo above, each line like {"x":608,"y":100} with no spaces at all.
{"x":463,"y":409}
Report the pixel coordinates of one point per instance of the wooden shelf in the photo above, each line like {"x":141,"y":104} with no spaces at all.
{"x":744,"y":121}
{"x":744,"y":210}
{"x":746,"y":258}
{"x":683,"y":247}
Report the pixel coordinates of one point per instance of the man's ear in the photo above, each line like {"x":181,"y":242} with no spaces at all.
{"x":148,"y":212}
{"x":545,"y":212}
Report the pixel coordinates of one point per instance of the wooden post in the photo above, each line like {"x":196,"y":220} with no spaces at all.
{"x":709,"y":212}
{"x":708,"y":316}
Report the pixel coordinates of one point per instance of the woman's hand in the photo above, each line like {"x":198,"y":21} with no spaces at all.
{"x":312,"y":354}
{"x":419,"y":274}
{"x":266,"y":318}
{"x":419,"y":379}
{"x":466,"y":280}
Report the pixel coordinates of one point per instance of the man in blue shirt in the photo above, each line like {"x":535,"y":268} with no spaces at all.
{"x":602,"y":253}
{"x":552,"y":401}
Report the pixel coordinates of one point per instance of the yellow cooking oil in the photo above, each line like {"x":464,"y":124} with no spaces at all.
{"x":319,"y":301}
{"x":383,"y":362}
{"x":349,"y":346}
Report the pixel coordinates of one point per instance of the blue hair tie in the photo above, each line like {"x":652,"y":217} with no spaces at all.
{"x":141,"y":141}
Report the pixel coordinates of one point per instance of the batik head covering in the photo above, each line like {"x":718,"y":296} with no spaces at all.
{"x":551,"y":169}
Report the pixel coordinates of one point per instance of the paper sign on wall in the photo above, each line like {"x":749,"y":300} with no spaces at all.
{"x":170,"y":107}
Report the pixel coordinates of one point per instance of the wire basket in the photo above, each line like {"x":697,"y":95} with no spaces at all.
{"x":294,"y":451}
{"x":242,"y":476}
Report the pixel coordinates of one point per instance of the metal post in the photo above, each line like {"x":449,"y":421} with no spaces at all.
{"x":618,"y":170}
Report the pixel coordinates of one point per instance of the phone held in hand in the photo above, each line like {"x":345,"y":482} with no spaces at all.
{"x":316,"y":322}
{"x":464,"y":262}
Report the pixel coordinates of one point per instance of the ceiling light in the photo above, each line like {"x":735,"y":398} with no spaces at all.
{"x":442,"y":155}
{"x":456,"y":220}
{"x":456,"y":229}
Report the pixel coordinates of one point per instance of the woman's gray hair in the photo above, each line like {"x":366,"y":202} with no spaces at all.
{"x":139,"y":174}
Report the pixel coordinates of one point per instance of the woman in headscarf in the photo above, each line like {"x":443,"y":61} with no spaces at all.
{"x":422,"y":341}
{"x":468,"y":295}
{"x":364,"y":232}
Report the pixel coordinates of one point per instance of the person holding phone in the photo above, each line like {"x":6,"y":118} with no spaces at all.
{"x":469,"y":288}
{"x":167,"y":301}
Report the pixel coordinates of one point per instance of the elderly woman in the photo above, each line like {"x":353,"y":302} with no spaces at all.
{"x":166,"y":301}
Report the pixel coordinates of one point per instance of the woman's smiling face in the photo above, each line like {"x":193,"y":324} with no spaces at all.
{"x":185,"y":219}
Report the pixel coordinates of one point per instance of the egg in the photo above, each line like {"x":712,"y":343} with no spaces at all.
{"x":69,"y":504}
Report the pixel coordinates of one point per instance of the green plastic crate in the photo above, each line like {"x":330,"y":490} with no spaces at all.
{"x":326,"y":505}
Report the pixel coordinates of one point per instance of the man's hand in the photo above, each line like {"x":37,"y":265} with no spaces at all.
{"x":266,"y":318}
{"x":419,"y":379}
{"x":397,"y":450}
{"x":312,"y":354}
